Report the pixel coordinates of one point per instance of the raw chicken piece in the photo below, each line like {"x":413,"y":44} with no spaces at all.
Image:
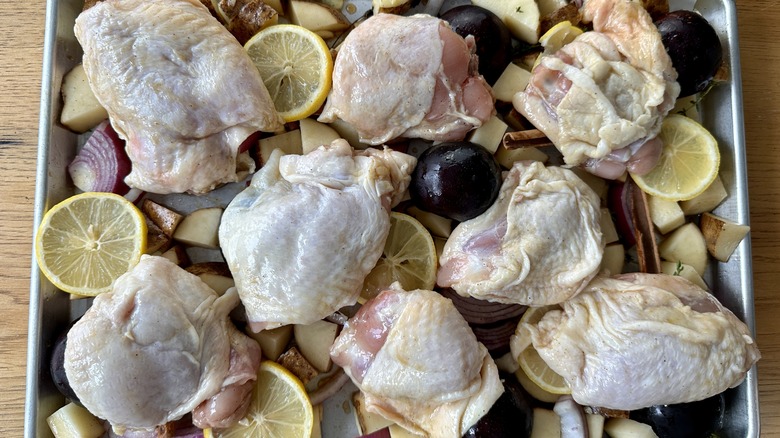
{"x":540,"y":243}
{"x":302,"y":237}
{"x":418,"y":363}
{"x":638,"y":340}
{"x":601,"y":99}
{"x":178,"y":87}
{"x":408,"y":76}
{"x":230,"y":404}
{"x":155,"y":347}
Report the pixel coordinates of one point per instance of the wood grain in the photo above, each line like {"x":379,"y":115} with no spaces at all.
{"x":21,"y":24}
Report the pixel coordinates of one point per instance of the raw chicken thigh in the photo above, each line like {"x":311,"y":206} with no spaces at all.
{"x":408,"y":76}
{"x":302,"y":237}
{"x":540,"y":243}
{"x":157,"y":346}
{"x":178,"y":87}
{"x":418,"y":363}
{"x":601,"y":99}
{"x":638,"y":340}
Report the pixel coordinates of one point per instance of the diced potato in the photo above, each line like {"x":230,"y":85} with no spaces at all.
{"x":337,"y":4}
{"x":74,"y":421}
{"x":81,"y":110}
{"x":391,"y":6}
{"x":177,"y":255}
{"x":273,"y":342}
{"x":156,"y":239}
{"x":707,"y":201}
{"x":595,"y":425}
{"x":666,"y":215}
{"x":317,"y":16}
{"x":722,"y":235}
{"x":397,"y":431}
{"x":599,"y":185}
{"x":367,"y":422}
{"x":686,"y":244}
{"x":513,"y":80}
{"x":685,"y":271}
{"x":200,"y":228}
{"x":627,"y":428}
{"x":245,"y":18}
{"x":507,"y":157}
{"x":507,"y":363}
{"x":348,"y":133}
{"x":490,"y":134}
{"x":165,"y":218}
{"x":215,"y":274}
{"x":438,"y":225}
{"x":613,"y":260}
{"x":520,"y":16}
{"x":608,"y":227}
{"x":288,"y":142}
{"x":294,"y":361}
{"x":315,"y":134}
{"x":547,"y":7}
{"x":547,"y":424}
{"x":314,"y":341}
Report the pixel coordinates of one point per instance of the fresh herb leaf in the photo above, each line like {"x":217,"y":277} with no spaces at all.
{"x":519,"y":9}
{"x":678,"y":269}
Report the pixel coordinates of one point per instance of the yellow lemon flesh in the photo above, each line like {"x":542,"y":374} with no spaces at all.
{"x":296,"y":67}
{"x":409,"y":257}
{"x":87,"y":241}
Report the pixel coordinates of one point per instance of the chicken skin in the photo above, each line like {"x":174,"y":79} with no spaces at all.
{"x":410,"y":77}
{"x":157,"y":346}
{"x":639,"y":340}
{"x":178,"y":88}
{"x":540,"y":243}
{"x":601,"y":98}
{"x":418,"y":363}
{"x":302,"y":237}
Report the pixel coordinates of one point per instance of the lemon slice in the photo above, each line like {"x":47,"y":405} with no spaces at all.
{"x":534,"y":367}
{"x":558,"y":36}
{"x":296,"y":67}
{"x":280,"y":408}
{"x":409,"y":257}
{"x":87,"y":241}
{"x":688,"y":164}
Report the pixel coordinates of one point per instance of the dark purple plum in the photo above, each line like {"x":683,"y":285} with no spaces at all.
{"x":458,"y":180}
{"x":494,"y":42}
{"x":694,"y":47}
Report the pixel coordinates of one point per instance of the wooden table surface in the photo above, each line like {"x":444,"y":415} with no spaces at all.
{"x":22,"y":28}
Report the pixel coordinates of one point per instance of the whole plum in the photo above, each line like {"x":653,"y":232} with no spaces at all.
{"x":694,"y":47}
{"x":459,"y":180}
{"x":57,"y":368}
{"x":510,"y":417}
{"x":697,"y":419}
{"x":492,"y":37}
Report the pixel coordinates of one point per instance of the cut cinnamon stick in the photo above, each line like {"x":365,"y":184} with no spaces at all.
{"x":646,"y":246}
{"x":530,"y":138}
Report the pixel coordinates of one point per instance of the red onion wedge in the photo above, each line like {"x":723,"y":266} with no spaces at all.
{"x":381,"y":433}
{"x":102,"y":164}
{"x":476,"y":311}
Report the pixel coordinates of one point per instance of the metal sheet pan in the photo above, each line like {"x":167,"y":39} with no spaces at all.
{"x":51,"y":311}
